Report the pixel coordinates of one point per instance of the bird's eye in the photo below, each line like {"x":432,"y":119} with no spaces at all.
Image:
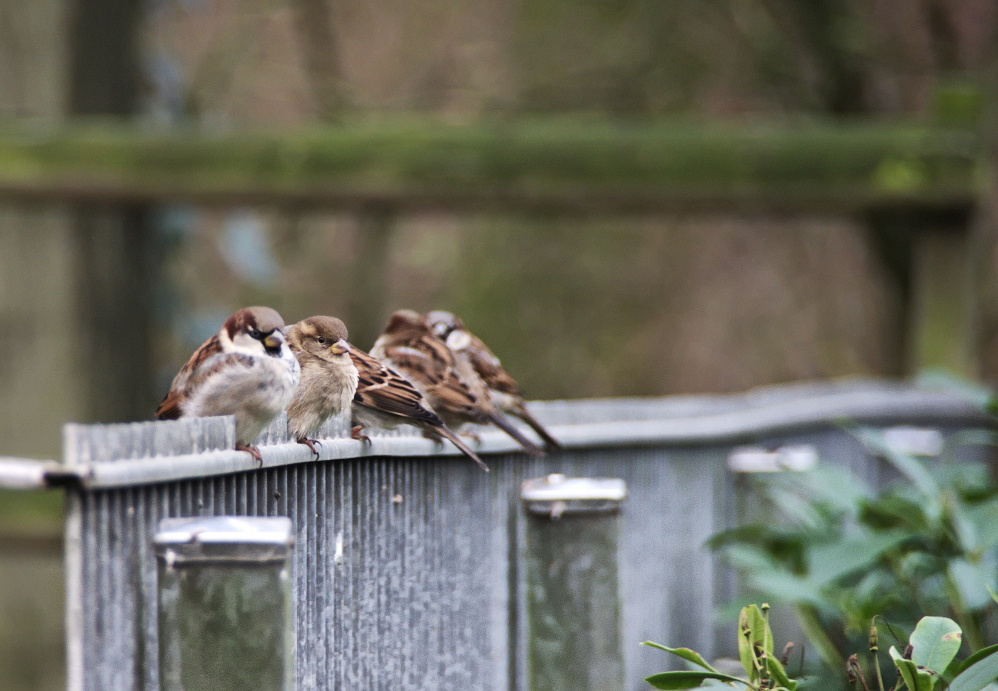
{"x":321,"y":340}
{"x":255,"y":333}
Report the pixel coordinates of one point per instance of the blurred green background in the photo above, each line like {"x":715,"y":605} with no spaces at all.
{"x":750,"y":191}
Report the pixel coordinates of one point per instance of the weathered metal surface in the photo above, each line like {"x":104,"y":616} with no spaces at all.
{"x":408,"y":571}
{"x":225,"y":604}
{"x":622,"y":423}
{"x":21,"y":473}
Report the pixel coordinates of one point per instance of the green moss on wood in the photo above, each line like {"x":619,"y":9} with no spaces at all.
{"x":535,"y":157}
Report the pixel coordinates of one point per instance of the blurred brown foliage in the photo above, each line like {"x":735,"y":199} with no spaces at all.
{"x":595,"y":306}
{"x":575,"y":305}
{"x":292,"y":61}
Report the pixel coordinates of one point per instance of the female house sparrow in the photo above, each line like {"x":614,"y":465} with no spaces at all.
{"x":245,"y":370}
{"x":471,"y":352}
{"x":328,"y":376}
{"x":409,"y":345}
{"x":386,"y":399}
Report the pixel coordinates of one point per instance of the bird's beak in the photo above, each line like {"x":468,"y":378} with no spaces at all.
{"x":274,"y":340}
{"x":339,"y":347}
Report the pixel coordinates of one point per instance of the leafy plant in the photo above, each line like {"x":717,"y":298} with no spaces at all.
{"x":755,"y":649}
{"x":840,"y":553}
{"x":927,"y":663}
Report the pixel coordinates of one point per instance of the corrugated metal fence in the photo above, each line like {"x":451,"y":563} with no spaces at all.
{"x":408,"y":565}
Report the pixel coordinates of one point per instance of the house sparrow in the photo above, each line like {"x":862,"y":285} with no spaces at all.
{"x":328,"y":376}
{"x":503,"y":389}
{"x":409,"y":345}
{"x":245,"y":370}
{"x":385,"y":399}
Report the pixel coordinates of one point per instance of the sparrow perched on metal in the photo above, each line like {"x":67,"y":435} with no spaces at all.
{"x":471,"y":353}
{"x":328,"y":376}
{"x":409,"y":345}
{"x":385,"y":398}
{"x":245,"y":370}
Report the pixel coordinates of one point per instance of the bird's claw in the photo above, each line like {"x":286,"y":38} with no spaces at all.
{"x":310,"y":443}
{"x":252,"y":451}
{"x":355,"y":433}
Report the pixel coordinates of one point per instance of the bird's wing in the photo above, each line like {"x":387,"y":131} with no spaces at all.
{"x":489,"y":367}
{"x":205,"y":362}
{"x":430,"y":365}
{"x":384,"y":389}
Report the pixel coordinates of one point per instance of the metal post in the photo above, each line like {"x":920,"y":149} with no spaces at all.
{"x":225,"y":603}
{"x":572,"y":599}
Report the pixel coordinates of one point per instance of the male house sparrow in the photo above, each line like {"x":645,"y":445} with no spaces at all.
{"x":328,"y":376}
{"x":245,"y":370}
{"x":409,"y":345}
{"x":385,"y":399}
{"x":471,"y":352}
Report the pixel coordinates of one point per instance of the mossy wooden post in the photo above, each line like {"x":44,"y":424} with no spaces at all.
{"x":225,"y":604}
{"x":943,"y":308}
{"x":931,"y":253}
{"x":573,"y":599}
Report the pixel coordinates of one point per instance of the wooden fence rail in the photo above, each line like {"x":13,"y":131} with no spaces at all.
{"x":560,"y":165}
{"x":915,"y":187}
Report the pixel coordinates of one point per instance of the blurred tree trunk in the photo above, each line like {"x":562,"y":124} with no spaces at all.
{"x":114,"y":265}
{"x":375,"y":226}
{"x":830,"y":69}
{"x":987,"y":285}
{"x":104,"y":57}
{"x":367,"y":307}
{"x":321,"y":55}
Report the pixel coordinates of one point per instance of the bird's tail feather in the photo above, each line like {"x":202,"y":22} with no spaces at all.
{"x":444,"y":431}
{"x":524,"y":414}
{"x":503,"y":423}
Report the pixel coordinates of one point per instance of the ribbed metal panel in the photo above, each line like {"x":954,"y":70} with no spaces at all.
{"x":406,"y":571}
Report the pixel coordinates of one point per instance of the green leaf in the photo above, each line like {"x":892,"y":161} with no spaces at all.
{"x":749,"y":558}
{"x":979,"y":655}
{"x":685,"y":653}
{"x":828,"y":562}
{"x":779,"y":674}
{"x":971,"y":581}
{"x":978,"y":674}
{"x":687,"y":680}
{"x":781,"y":585}
{"x":752,"y":630}
{"x":982,"y":514}
{"x":914,"y":678}
{"x":935,"y":642}
{"x":893,"y":511}
{"x":907,"y":466}
{"x":833,"y":487}
{"x":808,"y":512}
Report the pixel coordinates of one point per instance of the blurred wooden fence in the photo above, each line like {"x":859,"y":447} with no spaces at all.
{"x":411,"y":566}
{"x":916,"y":188}
{"x":559,"y":164}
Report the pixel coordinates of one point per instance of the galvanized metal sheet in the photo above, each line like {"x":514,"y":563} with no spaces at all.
{"x":406,"y":570}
